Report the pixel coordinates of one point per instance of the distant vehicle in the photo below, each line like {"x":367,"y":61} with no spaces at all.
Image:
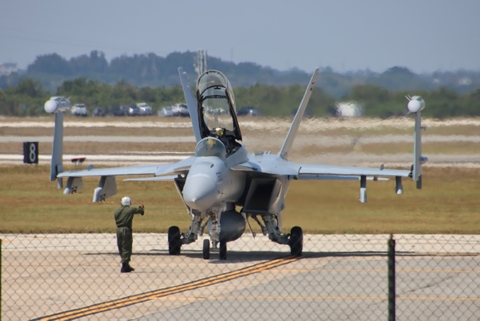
{"x":118,"y":111}
{"x":133,"y":110}
{"x":98,"y":112}
{"x":248,"y":111}
{"x":165,"y":112}
{"x":145,"y":109}
{"x":177,"y":110}
{"x":79,"y":110}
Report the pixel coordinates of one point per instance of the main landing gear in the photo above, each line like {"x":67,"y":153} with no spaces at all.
{"x":271,"y":228}
{"x":174,"y":242}
{"x":296,"y":241}
{"x":206,"y":249}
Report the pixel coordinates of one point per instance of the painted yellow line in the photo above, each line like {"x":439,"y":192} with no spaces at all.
{"x":373,"y":271}
{"x":139,"y":298}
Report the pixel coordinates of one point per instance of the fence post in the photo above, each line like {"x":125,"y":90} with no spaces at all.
{"x":391,"y":279}
{"x":1,"y":267}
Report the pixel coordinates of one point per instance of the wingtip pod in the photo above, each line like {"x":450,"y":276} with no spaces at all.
{"x":415,"y":104}
{"x":56,"y":103}
{"x":51,"y":106}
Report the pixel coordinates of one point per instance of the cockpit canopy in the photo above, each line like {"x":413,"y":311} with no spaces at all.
{"x":216,"y":104}
{"x":210,"y":147}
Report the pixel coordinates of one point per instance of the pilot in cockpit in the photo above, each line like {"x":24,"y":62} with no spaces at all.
{"x":212,"y":147}
{"x":227,"y":141}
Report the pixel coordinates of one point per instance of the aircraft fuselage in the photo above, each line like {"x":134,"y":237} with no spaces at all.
{"x":211,"y":182}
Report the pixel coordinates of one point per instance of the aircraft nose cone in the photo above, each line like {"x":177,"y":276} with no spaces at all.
{"x":200,"y":192}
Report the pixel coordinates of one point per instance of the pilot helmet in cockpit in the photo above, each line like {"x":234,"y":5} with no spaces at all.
{"x":220,"y":131}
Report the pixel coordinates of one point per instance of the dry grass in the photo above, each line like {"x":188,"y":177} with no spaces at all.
{"x":447,"y":204}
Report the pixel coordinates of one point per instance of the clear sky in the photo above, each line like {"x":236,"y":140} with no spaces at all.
{"x":422,"y":35}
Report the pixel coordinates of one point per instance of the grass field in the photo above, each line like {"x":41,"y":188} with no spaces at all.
{"x":448,"y":202}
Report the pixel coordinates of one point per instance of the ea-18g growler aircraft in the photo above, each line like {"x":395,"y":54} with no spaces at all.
{"x":223,"y":185}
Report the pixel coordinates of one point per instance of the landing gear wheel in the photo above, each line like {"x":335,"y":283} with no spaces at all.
{"x":223,"y":250}
{"x":206,"y":249}
{"x":174,"y":243}
{"x":296,"y":241}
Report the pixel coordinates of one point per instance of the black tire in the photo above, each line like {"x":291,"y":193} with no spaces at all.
{"x":223,"y":250}
{"x":206,"y":249}
{"x":296,"y":241}
{"x":174,"y":243}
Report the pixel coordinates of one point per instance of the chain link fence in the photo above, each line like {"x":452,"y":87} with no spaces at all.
{"x":339,"y":277}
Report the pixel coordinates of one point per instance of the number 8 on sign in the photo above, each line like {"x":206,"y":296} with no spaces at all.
{"x":30,"y":152}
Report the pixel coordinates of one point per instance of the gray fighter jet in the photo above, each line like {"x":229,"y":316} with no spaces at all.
{"x":223,"y":185}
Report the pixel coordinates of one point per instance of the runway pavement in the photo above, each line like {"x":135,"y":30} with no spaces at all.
{"x":338,"y":277}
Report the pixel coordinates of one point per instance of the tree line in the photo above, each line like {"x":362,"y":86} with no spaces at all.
{"x":150,"y":70}
{"x":28,"y":96}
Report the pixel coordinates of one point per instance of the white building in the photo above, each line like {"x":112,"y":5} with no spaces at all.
{"x":349,"y":109}
{"x":7,"y":68}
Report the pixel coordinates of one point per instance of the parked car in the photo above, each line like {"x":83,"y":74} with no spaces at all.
{"x":79,"y":110}
{"x":177,"y":110}
{"x":98,"y":112}
{"x":248,"y":111}
{"x":145,"y":109}
{"x":181,"y":110}
{"x":118,"y":111}
{"x":133,"y":110}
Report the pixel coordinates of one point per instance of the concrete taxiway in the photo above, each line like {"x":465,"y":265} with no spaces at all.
{"x":65,"y":276}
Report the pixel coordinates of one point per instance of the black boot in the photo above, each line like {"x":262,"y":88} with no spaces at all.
{"x":126,"y":268}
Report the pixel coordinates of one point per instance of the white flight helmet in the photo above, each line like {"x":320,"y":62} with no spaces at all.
{"x":126,"y":201}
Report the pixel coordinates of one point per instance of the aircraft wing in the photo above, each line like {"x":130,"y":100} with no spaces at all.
{"x":271,"y":164}
{"x":158,"y":170}
{"x":319,"y":170}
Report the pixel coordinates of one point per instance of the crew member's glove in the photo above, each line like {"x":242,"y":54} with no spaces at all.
{"x":142,"y":207}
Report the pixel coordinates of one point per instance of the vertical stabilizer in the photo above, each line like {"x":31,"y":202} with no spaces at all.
{"x":192,"y":105}
{"x":292,"y":132}
{"x":56,"y":165}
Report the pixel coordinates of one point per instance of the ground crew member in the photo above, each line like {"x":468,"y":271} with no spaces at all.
{"x":123,"y":218}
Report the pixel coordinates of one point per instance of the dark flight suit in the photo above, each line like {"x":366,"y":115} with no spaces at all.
{"x":124,"y":218}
